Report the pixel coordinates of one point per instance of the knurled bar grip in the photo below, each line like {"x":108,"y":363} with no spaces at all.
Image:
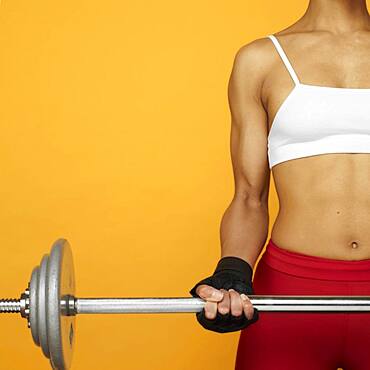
{"x":179,"y":305}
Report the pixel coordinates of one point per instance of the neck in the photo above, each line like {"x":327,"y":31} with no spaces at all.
{"x":337,"y":16}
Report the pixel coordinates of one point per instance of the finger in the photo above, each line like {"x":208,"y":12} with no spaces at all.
{"x":224,"y":305}
{"x":210,"y":310}
{"x":209,"y":293}
{"x":236,"y":304}
{"x":248,"y":307}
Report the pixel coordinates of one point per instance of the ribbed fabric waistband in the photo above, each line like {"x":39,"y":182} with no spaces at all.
{"x":315,"y":267}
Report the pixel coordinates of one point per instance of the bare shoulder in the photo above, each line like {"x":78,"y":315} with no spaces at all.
{"x":252,"y":61}
{"x":254,"y":51}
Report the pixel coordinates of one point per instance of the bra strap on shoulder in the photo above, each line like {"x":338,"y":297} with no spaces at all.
{"x":284,"y":59}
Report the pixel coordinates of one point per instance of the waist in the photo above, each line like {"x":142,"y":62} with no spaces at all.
{"x":314,"y":267}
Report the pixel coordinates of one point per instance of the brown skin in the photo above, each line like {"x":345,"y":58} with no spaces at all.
{"x":324,"y":200}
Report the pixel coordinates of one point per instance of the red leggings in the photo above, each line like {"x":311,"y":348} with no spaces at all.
{"x":307,"y":340}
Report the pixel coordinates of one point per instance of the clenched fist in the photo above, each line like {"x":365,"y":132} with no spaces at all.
{"x":227,"y":306}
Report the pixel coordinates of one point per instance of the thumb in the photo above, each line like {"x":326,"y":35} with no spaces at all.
{"x":210,"y":293}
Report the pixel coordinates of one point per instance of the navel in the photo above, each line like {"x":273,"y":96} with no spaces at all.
{"x":354,"y":245}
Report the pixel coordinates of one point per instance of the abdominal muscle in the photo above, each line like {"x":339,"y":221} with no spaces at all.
{"x":324,"y":205}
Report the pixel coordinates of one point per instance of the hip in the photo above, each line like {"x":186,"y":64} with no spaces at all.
{"x":280,"y":271}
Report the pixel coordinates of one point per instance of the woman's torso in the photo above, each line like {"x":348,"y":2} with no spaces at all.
{"x":324,"y":199}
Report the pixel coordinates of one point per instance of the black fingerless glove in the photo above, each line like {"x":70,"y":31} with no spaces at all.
{"x":231,"y":273}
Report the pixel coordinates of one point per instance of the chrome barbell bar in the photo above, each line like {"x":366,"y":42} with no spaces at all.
{"x":50,"y":306}
{"x":187,"y":305}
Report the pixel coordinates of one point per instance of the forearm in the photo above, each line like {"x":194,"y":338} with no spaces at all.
{"x":244,"y":230}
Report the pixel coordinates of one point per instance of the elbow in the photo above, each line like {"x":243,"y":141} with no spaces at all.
{"x":256,"y":203}
{"x":254,"y":199}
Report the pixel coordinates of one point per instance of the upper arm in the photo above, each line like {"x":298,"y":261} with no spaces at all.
{"x":249,"y":127}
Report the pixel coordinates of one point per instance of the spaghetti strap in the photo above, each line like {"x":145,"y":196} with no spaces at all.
{"x":284,"y":58}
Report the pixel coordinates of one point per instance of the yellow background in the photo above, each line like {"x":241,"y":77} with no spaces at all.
{"x":115,"y":135}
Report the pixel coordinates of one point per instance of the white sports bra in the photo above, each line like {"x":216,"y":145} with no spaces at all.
{"x":315,"y":120}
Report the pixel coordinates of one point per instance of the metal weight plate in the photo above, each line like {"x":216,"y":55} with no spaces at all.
{"x":61,"y":284}
{"x":41,"y":306}
{"x":34,"y":282}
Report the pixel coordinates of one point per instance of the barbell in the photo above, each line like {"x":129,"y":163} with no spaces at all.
{"x":50,"y":306}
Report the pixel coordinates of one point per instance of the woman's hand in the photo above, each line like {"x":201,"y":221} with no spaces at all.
{"x":224,"y":301}
{"x":227,"y":306}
